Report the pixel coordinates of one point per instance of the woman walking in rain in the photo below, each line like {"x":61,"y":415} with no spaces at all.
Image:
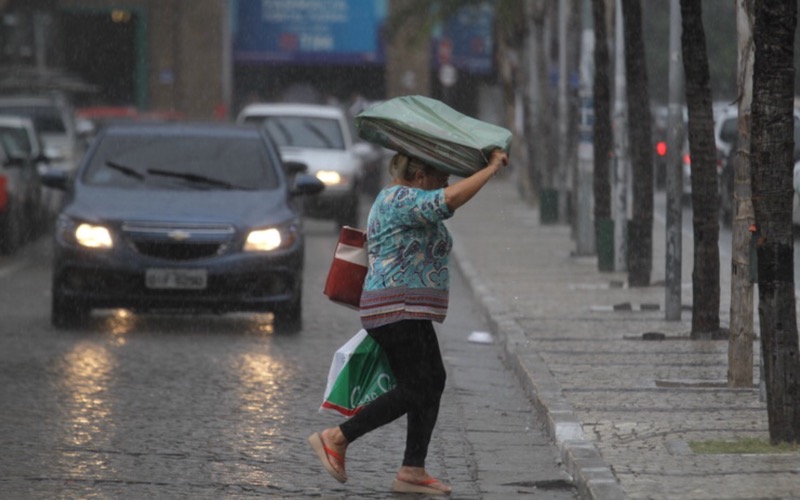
{"x":405,"y":291}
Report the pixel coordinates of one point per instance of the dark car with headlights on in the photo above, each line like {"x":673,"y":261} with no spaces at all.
{"x":180,"y":217}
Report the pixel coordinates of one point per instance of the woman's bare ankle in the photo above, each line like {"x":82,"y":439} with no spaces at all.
{"x":335,"y":437}
{"x":408,"y":473}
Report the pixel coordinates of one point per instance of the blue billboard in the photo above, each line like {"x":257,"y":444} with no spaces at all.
{"x":466,"y":40}
{"x":309,"y":31}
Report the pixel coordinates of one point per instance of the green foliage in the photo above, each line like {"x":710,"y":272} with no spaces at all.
{"x":741,"y":446}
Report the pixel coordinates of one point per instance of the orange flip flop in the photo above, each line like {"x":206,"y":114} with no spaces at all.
{"x":325,"y":454}
{"x":425,"y":487}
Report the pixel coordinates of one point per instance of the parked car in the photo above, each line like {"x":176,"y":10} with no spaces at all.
{"x":183,"y":217}
{"x":726,"y":119}
{"x":54,"y":118}
{"x":20,"y":188}
{"x":320,"y":137}
{"x":32,"y":144}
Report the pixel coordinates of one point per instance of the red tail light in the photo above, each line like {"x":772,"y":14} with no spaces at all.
{"x":3,"y":193}
{"x":661,"y":148}
{"x":687,"y":160}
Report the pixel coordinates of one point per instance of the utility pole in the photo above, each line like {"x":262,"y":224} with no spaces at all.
{"x":585,"y":237}
{"x":673,"y":272}
{"x":563,"y":118}
{"x":621,"y":159}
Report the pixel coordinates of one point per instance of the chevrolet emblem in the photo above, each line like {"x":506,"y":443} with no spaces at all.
{"x":179,"y":235}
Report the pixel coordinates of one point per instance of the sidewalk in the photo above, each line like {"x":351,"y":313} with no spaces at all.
{"x":621,"y":409}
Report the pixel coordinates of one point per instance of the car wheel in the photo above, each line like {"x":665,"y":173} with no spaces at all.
{"x":67,"y":313}
{"x":10,"y":231}
{"x":289,"y":316}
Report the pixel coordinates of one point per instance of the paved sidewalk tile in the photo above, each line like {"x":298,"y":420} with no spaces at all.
{"x":621,"y":409}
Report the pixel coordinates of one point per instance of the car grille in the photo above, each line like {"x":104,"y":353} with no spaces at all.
{"x":177,"y":251}
{"x":178,"y":242}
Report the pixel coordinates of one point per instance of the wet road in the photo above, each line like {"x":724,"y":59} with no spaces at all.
{"x":220,"y":406}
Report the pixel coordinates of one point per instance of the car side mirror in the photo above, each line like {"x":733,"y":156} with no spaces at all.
{"x":55,"y":178}
{"x":306,"y":185}
{"x":293,"y":168}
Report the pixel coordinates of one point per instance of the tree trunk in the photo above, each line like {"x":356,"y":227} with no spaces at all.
{"x":705,"y":208}
{"x":771,"y":163}
{"x":542,"y":23}
{"x":740,"y":343}
{"x":602,"y":138}
{"x":513,"y":83}
{"x":640,"y":236}
{"x":403,"y":58}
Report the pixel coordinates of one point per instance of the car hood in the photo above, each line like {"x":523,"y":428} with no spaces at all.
{"x":239,"y":208}
{"x":323,"y":159}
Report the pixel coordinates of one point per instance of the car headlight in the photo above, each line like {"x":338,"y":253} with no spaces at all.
{"x":330,"y":177}
{"x":269,"y":239}
{"x":84,"y":234}
{"x":92,"y":236}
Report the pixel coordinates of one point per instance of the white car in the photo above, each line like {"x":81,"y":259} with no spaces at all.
{"x":20,"y":187}
{"x":54,"y":119}
{"x":33,"y":146}
{"x":726,"y":122}
{"x":319,"y":137}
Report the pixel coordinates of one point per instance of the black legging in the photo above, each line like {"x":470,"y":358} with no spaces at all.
{"x":413,"y":352}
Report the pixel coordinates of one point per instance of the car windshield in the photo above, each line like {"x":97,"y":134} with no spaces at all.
{"x":46,"y":119}
{"x":305,"y":132}
{"x":160,"y":161}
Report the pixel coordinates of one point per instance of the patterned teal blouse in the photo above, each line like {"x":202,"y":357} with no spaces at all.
{"x":408,"y":247}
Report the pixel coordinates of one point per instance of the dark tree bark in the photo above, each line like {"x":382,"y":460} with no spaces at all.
{"x":640,"y":236}
{"x":705,"y":206}
{"x":771,"y":169}
{"x":602,"y":138}
{"x":542,"y":17}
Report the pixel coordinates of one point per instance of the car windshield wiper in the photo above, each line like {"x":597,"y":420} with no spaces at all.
{"x":129,"y":171}
{"x":202,"y":179}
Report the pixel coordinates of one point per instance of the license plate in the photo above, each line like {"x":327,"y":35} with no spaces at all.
{"x":176,"y":279}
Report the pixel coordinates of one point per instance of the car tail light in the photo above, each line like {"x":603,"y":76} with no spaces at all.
{"x":3,"y":193}
{"x":687,"y":160}
{"x":661,"y":148}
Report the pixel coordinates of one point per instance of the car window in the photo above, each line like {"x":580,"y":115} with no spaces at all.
{"x":159,"y":161}
{"x":46,"y":119}
{"x":16,"y":141}
{"x":305,"y":132}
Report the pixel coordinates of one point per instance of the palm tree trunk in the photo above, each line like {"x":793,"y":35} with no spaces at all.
{"x":640,"y":236}
{"x":602,"y":138}
{"x":740,"y":344}
{"x":705,"y":275}
{"x":771,"y":156}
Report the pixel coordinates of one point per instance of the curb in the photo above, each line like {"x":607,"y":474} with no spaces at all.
{"x":592,"y":476}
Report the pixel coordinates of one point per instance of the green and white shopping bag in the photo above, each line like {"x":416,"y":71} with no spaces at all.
{"x":359,"y":374}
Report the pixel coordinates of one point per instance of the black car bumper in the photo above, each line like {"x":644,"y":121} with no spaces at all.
{"x":236,"y":282}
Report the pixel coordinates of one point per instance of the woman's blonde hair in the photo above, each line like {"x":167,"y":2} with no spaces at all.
{"x":403,"y":167}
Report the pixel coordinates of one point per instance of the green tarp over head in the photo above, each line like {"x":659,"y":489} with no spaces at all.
{"x":432,"y":132}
